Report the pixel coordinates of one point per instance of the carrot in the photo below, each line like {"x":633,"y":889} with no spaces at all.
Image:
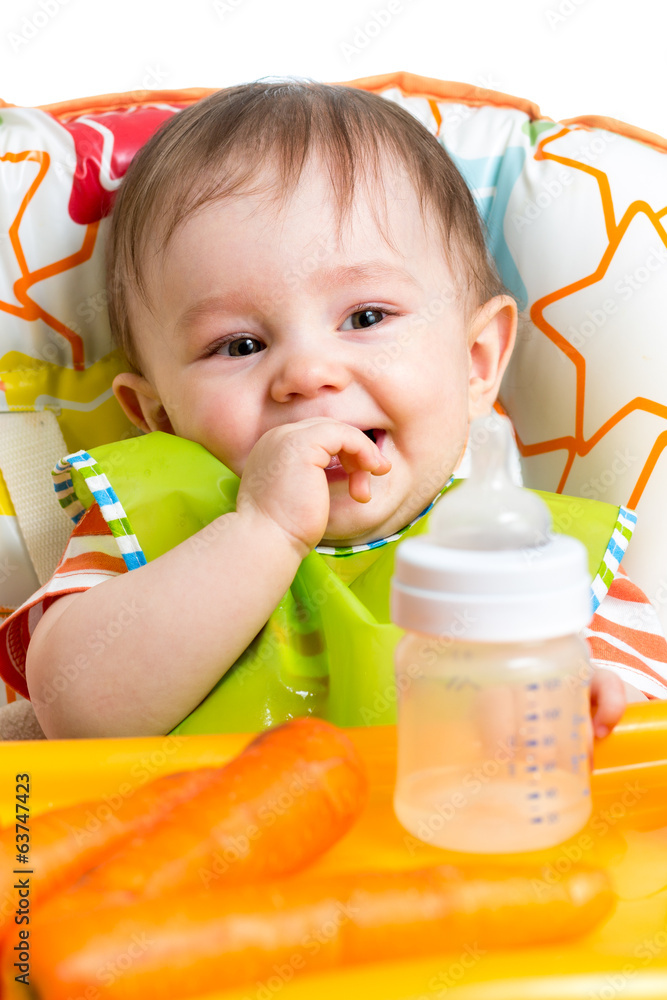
{"x":187,"y":944}
{"x":65,"y":843}
{"x":292,"y":793}
{"x":288,"y":797}
{"x":284,"y":800}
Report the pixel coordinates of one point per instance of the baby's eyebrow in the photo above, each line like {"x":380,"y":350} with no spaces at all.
{"x":371,"y":270}
{"x":236,"y":300}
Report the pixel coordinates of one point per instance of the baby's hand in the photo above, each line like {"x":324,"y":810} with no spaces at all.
{"x":608,"y":701}
{"x":284,"y":478}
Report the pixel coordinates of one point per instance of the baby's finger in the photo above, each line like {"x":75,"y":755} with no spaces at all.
{"x":607,"y":701}
{"x":383,"y":468}
{"x":359,"y":486}
{"x":364,"y":455}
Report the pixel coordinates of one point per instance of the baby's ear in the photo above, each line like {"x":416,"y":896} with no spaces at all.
{"x":141,"y":403}
{"x":491,"y":337}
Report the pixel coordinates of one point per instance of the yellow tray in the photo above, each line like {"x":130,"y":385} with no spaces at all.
{"x":627,"y":834}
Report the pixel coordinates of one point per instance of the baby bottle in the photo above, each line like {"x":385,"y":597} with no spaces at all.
{"x":492,"y":675}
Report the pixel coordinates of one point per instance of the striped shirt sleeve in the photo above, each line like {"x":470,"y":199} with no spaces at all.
{"x":91,"y":557}
{"x":626,"y":636}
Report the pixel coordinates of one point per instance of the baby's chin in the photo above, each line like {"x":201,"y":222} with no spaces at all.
{"x":357,"y":525}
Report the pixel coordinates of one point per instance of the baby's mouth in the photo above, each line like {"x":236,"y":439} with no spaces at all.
{"x":376,"y":435}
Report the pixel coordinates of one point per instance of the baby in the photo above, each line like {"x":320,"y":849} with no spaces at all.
{"x":299,"y":280}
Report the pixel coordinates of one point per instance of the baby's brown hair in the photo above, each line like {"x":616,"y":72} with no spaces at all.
{"x":217,"y":148}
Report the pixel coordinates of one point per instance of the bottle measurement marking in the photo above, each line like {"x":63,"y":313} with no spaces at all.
{"x":543,"y":805}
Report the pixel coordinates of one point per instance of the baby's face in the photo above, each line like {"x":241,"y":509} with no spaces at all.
{"x":261,"y":318}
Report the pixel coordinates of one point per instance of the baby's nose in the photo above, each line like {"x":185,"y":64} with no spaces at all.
{"x":309,"y":372}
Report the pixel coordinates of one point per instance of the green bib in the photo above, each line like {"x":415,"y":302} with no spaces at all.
{"x":327,"y":649}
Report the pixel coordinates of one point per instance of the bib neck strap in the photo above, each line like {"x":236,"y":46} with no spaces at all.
{"x":350,"y":550}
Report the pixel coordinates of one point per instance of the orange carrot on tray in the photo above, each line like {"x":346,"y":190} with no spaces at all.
{"x":292,"y":793}
{"x":65,"y":843}
{"x":188,"y":944}
{"x":287,"y":798}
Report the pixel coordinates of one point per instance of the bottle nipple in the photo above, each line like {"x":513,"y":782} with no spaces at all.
{"x":487,"y":511}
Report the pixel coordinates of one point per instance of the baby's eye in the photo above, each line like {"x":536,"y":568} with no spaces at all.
{"x":240,"y":347}
{"x":366,"y":317}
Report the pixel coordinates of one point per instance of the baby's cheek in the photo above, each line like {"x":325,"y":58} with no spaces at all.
{"x":223,"y":435}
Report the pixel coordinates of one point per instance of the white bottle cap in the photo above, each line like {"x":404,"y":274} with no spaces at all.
{"x":506,"y":595}
{"x":490,"y":568}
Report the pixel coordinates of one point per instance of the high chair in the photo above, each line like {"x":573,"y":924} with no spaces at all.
{"x":575,"y":215}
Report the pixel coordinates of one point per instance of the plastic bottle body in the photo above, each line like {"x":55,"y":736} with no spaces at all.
{"x":493,"y":742}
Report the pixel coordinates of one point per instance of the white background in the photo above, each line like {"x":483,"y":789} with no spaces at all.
{"x":571,"y":57}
